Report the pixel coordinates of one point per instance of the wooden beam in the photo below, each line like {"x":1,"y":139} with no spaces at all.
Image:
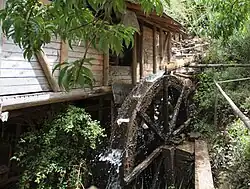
{"x":64,"y":52}
{"x":100,"y":110}
{"x":203,"y":173}
{"x":161,"y":49}
{"x":1,"y":32}
{"x":234,"y":80}
{"x":169,"y":46}
{"x":170,"y":66}
{"x":141,"y":50}
{"x":164,"y":50}
{"x":176,"y":111}
{"x":134,"y":63}
{"x":142,"y":166}
{"x":194,"y":65}
{"x":151,"y":125}
{"x":165,"y":27}
{"x":29,"y":100}
{"x":156,"y":179}
{"x":165,"y":101}
{"x":106,"y":69}
{"x":44,"y":63}
{"x":236,"y":110}
{"x":154,"y":49}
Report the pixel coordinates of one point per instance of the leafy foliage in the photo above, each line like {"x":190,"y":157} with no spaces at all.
{"x":217,"y":19}
{"x":229,"y":139}
{"x":56,"y":155}
{"x":32,"y":24}
{"x":230,"y":156}
{"x":191,"y":14}
{"x":224,"y":17}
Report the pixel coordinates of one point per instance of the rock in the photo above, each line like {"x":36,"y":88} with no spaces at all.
{"x":194,"y":135}
{"x":92,"y":187}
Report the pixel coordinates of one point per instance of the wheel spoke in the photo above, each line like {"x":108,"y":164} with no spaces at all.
{"x":156,"y":179}
{"x":176,"y":111}
{"x":151,"y":125}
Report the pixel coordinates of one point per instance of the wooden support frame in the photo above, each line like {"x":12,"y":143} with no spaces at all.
{"x":134,"y":63}
{"x":1,"y":32}
{"x":141,"y":50}
{"x":165,"y":101}
{"x":154,"y":49}
{"x":142,"y":166}
{"x":106,"y":69}
{"x":176,"y":111}
{"x":169,"y":46}
{"x":24,"y":101}
{"x":151,"y":124}
{"x":166,"y":29}
{"x":161,"y":48}
{"x":100,"y":109}
{"x":44,"y":63}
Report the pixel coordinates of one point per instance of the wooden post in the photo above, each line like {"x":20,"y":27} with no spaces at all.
{"x":165,"y":101}
{"x":64,"y":52}
{"x":134,"y":63}
{"x":1,"y":33}
{"x":141,"y":51}
{"x":106,"y":69}
{"x":42,"y":59}
{"x":112,"y":111}
{"x":154,"y":49}
{"x":161,"y":46}
{"x":215,"y":108}
{"x":100,"y":110}
{"x":169,"y":46}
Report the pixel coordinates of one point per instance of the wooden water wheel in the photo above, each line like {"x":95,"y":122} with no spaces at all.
{"x":151,"y":116}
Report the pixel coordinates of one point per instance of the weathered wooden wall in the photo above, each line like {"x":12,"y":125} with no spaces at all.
{"x":120,"y":74}
{"x":148,"y":50}
{"x":97,"y":65}
{"x":18,"y":75}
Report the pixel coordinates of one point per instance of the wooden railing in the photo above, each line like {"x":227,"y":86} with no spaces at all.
{"x":236,"y":110}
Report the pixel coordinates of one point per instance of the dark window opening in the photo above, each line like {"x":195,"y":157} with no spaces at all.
{"x":125,"y":58}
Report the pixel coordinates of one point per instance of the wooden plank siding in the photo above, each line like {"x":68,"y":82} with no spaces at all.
{"x":148,"y":50}
{"x":97,"y":64}
{"x":19,"y":76}
{"x":120,"y":74}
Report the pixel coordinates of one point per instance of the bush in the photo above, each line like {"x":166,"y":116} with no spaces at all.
{"x":56,"y":155}
{"x":229,"y":139}
{"x":230,"y":155}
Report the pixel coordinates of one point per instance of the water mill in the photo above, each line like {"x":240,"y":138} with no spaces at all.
{"x":124,"y":94}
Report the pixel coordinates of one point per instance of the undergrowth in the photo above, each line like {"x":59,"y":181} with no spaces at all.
{"x":57,"y":155}
{"x":228,"y":138}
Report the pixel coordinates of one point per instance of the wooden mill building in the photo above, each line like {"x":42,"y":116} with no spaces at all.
{"x":25,"y":85}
